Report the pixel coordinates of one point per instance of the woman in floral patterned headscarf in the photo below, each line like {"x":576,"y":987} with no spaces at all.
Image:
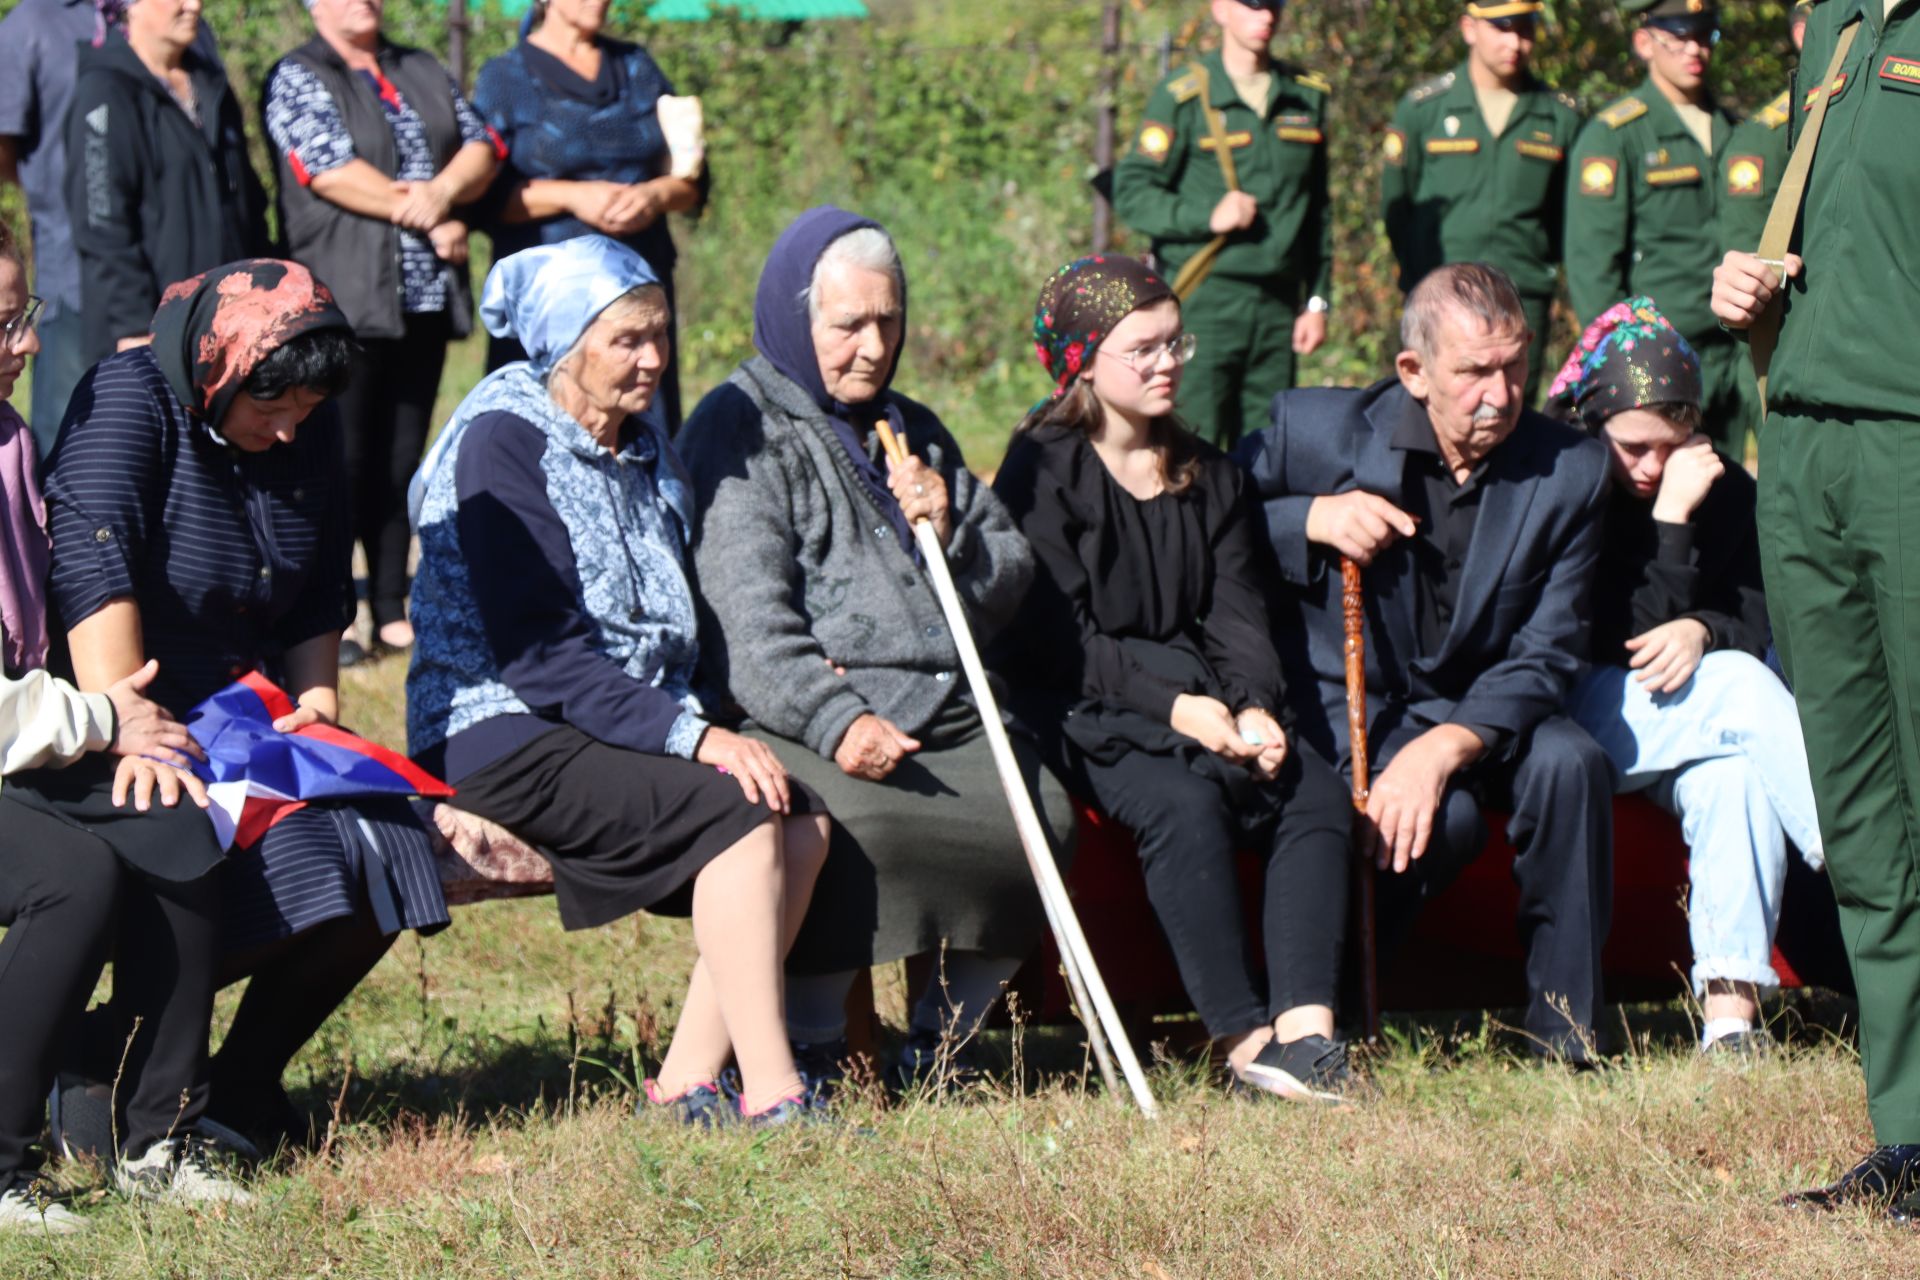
{"x":1678,"y":695}
{"x":1146,"y":647}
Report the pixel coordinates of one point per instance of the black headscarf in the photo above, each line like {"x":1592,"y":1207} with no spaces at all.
{"x":213,"y":330}
{"x":784,"y":335}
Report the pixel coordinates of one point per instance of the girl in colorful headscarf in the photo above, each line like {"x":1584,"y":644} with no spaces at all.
{"x":1679,"y":695}
{"x":198,"y":510}
{"x":1145,"y":644}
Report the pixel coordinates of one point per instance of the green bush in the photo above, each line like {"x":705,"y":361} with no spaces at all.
{"x":969,"y":130}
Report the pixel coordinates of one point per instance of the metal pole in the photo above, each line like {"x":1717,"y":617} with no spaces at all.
{"x":1103,"y":136}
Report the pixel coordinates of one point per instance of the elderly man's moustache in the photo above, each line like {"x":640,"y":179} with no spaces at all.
{"x":1488,"y":413}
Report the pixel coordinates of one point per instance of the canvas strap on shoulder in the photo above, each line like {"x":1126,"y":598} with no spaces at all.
{"x":1785,"y":214}
{"x":1196,"y":268}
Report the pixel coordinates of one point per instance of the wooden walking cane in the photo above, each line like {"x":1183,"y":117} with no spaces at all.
{"x":1104,"y":1028}
{"x":1354,"y":616}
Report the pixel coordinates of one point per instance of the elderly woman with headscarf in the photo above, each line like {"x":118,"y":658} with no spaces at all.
{"x":159,"y":185}
{"x":829,"y":636}
{"x":1679,"y":695}
{"x":552,"y":682}
{"x":377,"y":150}
{"x":197,"y":508}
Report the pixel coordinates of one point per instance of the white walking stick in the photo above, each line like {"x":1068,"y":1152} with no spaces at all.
{"x":1089,"y":991}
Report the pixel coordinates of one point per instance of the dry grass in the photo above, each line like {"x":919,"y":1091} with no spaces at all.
{"x":483,"y":1086}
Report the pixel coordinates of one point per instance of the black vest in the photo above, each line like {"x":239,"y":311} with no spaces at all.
{"x":356,"y":256}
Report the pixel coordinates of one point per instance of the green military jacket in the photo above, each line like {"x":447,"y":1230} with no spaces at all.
{"x":1452,"y":192}
{"x":1169,"y":182}
{"x":1750,"y":169}
{"x":1852,"y":319}
{"x":1643,"y":206}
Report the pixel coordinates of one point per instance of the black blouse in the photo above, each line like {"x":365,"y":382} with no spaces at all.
{"x":1134,"y":602}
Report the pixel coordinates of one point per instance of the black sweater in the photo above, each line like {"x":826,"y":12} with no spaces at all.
{"x":1652,"y":572}
{"x":154,"y":198}
{"x":1133,"y":602}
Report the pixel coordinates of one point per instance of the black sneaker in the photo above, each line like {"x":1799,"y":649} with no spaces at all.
{"x":822,"y":1068}
{"x":182,"y":1170}
{"x":256,"y":1119}
{"x":701,"y":1106}
{"x":80,"y":1112}
{"x":1887,"y":1175}
{"x":1310,"y":1069}
{"x":930,"y":1060}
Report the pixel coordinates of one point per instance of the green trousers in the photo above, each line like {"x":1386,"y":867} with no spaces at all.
{"x":1243,"y":356}
{"x":1539,"y":320}
{"x":1840,"y":541}
{"x":1729,"y":398}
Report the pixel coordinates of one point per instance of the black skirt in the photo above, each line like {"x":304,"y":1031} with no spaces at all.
{"x":624,"y":831}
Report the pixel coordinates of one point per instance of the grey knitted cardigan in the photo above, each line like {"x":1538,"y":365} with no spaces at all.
{"x":799,"y":570}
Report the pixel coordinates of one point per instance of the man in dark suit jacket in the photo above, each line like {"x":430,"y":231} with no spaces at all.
{"x":1478,"y":525}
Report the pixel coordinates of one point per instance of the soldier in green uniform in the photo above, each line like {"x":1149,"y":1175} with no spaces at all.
{"x":1840,"y":535}
{"x":1264,"y":294}
{"x":1644,"y":197}
{"x":1755,"y":157}
{"x":1476,"y":166}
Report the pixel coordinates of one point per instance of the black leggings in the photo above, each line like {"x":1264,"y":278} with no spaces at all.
{"x":386,"y":412}
{"x":1189,"y":832}
{"x":69,"y":903}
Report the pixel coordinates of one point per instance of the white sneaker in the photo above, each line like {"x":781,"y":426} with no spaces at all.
{"x":183,"y":1170}
{"x":29,"y":1205}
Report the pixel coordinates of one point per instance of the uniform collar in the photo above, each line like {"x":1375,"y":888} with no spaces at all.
{"x":1462,"y":96}
{"x":1666,"y":121}
{"x":1221,"y":93}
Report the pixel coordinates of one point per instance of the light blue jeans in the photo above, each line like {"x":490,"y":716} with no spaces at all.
{"x":1725,"y":754}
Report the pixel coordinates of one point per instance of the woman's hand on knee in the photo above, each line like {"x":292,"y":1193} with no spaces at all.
{"x":750,"y":763}
{"x":1208,"y":722}
{"x":142,"y":727}
{"x":1667,"y":656}
{"x":140,"y":778}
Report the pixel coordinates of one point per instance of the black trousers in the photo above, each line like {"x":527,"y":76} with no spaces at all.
{"x":386,"y":413}
{"x":70,"y":903}
{"x":1189,"y":831}
{"x":1558,"y":789}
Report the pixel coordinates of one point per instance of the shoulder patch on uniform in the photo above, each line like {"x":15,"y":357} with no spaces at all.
{"x":1395,"y":146}
{"x":1315,"y":81}
{"x":1428,"y":88}
{"x":1156,"y":140}
{"x":1186,"y":86}
{"x":1598,"y":176}
{"x":1777,"y":112}
{"x":1622,"y":112}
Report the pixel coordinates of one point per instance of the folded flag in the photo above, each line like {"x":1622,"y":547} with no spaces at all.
{"x":256,"y":775}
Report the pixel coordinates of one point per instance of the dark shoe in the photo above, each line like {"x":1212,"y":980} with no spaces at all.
{"x":81,"y":1115}
{"x":1741,"y":1047}
{"x":1887,"y":1176}
{"x":260,"y":1116}
{"x":928,"y":1059}
{"x":822,"y":1068}
{"x":1906,"y":1210}
{"x":787,"y":1113}
{"x":1310,"y":1069}
{"x":700,"y":1107}
{"x":352,"y":653}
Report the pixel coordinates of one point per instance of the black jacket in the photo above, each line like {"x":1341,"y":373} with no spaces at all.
{"x":1652,"y":572}
{"x":1519,"y":637}
{"x":154,"y":198}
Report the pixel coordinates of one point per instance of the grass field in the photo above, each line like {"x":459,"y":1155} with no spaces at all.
{"x":481,"y":1087}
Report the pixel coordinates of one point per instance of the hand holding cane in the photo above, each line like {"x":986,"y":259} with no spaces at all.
{"x":1353,"y":615}
{"x":1108,"y":1036}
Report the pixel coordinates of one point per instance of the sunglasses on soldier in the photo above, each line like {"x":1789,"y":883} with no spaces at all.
{"x":1271,"y":6}
{"x":1702,"y":29}
{"x":1520,"y":24}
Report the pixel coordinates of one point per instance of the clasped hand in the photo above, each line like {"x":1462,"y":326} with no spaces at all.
{"x":1253,"y":738}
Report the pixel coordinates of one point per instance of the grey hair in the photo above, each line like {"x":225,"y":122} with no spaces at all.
{"x":632,"y":300}
{"x":1485,"y":293}
{"x":868,"y":248}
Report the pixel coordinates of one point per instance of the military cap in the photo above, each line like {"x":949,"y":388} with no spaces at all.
{"x":1502,"y":8}
{"x":1665,"y":8}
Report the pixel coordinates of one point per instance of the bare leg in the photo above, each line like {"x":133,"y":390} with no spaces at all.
{"x":701,"y":1043}
{"x":1303,"y":1020}
{"x":1729,"y":999}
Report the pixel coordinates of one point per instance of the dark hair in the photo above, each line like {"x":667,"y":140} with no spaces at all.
{"x":320,"y":360}
{"x":1080,"y":410}
{"x":1681,"y":413}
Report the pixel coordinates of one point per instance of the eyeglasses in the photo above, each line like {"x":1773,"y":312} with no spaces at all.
{"x":14,"y":332}
{"x":1147,"y":359}
{"x":1686,"y":29}
{"x":1521,"y":24}
{"x":1271,"y":6}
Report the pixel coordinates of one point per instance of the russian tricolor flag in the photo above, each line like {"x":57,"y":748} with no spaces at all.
{"x":256,"y":775}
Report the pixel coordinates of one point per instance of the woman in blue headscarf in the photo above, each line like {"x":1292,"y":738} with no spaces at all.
{"x":552,"y":674}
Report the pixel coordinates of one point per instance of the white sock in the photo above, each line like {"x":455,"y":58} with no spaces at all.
{"x":1717,"y":1028}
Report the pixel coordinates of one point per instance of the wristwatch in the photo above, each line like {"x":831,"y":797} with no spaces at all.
{"x":1317,"y":305}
